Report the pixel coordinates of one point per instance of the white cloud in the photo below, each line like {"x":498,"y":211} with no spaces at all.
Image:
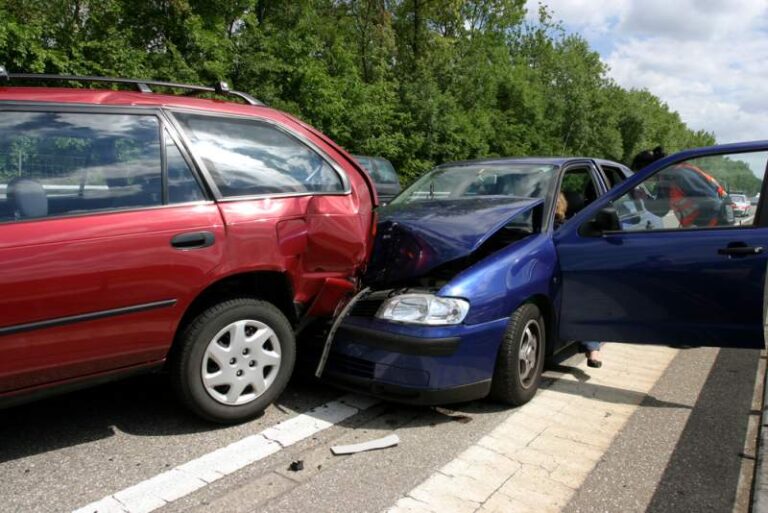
{"x":592,"y":15}
{"x":700,"y":20}
{"x":704,"y":58}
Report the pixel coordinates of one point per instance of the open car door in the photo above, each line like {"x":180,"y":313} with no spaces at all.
{"x":661,"y":259}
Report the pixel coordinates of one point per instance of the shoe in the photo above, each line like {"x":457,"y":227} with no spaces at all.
{"x":596,"y":364}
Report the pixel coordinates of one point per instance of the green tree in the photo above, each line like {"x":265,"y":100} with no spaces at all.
{"x":418,"y":81}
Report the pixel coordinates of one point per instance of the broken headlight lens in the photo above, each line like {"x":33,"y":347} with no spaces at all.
{"x":424,"y":309}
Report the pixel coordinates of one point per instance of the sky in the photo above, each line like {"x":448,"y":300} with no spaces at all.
{"x":707,"y":59}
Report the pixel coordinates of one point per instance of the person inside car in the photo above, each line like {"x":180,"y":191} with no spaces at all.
{"x":560,"y":209}
{"x":591,"y":349}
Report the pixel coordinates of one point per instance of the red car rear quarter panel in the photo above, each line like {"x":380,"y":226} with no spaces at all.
{"x":309,"y":238}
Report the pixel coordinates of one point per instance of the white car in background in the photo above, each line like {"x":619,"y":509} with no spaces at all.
{"x":741,"y":205}
{"x":633,"y":214}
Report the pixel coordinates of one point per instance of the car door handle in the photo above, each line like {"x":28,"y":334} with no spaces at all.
{"x":193,"y":240}
{"x":740,"y":250}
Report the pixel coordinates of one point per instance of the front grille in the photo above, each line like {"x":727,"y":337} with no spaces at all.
{"x":366,"y":308}
{"x":369,"y":305}
{"x":350,"y":365}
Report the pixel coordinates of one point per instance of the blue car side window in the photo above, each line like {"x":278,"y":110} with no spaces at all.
{"x":707,"y":192}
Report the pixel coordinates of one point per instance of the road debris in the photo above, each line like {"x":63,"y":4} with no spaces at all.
{"x":335,"y":326}
{"x":454,"y":415}
{"x":379,"y":443}
{"x":296,"y":466}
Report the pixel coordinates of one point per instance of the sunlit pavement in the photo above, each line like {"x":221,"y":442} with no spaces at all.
{"x":655,"y":429}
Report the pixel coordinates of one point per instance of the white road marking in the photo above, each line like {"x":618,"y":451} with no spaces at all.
{"x":536,"y":459}
{"x":184,"y":479}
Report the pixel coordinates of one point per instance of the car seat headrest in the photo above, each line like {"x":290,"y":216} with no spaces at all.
{"x":27,"y":198}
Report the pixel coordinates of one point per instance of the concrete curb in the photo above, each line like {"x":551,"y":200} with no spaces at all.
{"x":760,"y":484}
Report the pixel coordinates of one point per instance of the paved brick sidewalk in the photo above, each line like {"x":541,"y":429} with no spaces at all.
{"x":537,"y":458}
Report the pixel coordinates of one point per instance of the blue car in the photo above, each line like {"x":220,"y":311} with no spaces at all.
{"x":475,"y":279}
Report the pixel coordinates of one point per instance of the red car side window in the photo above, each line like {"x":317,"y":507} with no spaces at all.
{"x":249,"y":157}
{"x":58,"y":163}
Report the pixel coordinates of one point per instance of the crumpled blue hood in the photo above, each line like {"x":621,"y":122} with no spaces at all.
{"x":416,"y":237}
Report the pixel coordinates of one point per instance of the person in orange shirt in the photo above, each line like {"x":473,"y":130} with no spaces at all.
{"x":695,"y":197}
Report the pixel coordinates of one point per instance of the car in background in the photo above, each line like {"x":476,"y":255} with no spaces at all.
{"x":142,"y":231}
{"x":741,"y":204}
{"x":384,"y":176}
{"x":473,"y":283}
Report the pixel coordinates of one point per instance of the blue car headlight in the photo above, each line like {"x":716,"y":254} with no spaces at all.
{"x":424,"y":309}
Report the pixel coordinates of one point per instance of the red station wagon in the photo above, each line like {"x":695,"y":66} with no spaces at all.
{"x":139,"y":230}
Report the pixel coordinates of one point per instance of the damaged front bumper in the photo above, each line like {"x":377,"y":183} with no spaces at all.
{"x":415,"y":364}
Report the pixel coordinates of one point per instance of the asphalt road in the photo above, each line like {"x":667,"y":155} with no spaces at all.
{"x":685,"y":444}
{"x":690,"y":447}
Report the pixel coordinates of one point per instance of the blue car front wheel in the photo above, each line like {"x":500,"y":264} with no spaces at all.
{"x":521,"y":357}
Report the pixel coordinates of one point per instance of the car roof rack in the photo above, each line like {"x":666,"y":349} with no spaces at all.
{"x":141,"y":85}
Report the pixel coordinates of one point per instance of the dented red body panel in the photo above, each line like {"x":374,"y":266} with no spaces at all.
{"x":310,"y":238}
{"x":64,"y":270}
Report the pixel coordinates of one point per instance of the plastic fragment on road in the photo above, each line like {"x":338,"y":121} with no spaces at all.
{"x":370,"y":445}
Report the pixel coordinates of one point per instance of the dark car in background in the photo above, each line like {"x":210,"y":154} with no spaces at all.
{"x":141,"y":230}
{"x":473,"y":282}
{"x":384,"y":176}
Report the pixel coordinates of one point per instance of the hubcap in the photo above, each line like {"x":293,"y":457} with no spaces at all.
{"x":241,"y":362}
{"x":528,"y":357}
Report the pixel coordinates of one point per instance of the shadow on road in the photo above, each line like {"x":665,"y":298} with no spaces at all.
{"x":141,"y":406}
{"x":584,"y":388}
{"x":577,"y":373}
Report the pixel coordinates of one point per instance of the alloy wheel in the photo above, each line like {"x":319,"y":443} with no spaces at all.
{"x":528,"y":355}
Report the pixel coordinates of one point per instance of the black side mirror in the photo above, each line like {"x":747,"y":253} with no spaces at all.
{"x":606,"y":220}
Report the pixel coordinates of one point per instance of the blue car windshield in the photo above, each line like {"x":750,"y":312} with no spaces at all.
{"x":517,"y":180}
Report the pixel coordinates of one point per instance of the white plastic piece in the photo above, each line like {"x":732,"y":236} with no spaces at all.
{"x":370,"y":445}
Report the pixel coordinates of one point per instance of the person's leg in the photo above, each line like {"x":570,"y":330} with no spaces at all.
{"x":592,"y":349}
{"x":590,"y":346}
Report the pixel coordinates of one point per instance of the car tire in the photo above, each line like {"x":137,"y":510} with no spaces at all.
{"x":233,"y":360}
{"x":520,"y":361}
